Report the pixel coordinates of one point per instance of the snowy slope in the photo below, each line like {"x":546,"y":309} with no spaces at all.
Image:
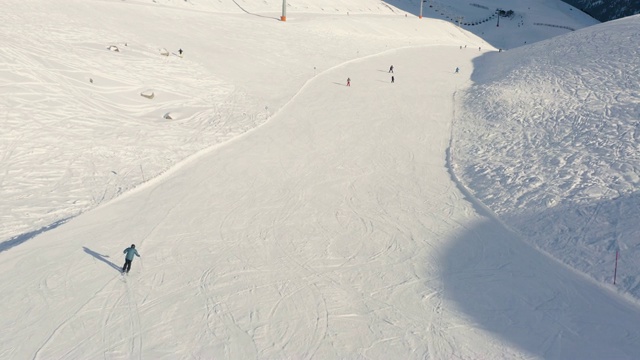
{"x":329,"y":232}
{"x":303,"y":219}
{"x":77,"y":131}
{"x":549,"y":140}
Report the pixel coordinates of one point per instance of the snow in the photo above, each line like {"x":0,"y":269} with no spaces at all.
{"x":569,"y":107}
{"x":281,"y":214}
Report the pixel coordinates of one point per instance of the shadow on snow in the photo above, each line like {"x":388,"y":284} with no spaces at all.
{"x":102,"y":258}
{"x":19,"y":239}
{"x":534,"y":302}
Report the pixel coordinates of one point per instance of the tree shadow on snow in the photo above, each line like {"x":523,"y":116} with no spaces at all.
{"x":101,"y":258}
{"x":19,"y":239}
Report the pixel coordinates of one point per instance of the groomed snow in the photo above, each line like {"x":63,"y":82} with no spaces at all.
{"x":282,"y":214}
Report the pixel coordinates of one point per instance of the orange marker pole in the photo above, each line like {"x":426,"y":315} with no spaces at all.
{"x":284,"y":11}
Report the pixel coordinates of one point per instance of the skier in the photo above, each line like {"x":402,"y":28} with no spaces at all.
{"x":392,"y":79}
{"x":457,"y":70}
{"x":391,"y":69}
{"x":348,"y":81}
{"x":180,"y":52}
{"x":130,"y":251}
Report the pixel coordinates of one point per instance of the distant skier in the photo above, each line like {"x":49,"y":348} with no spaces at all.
{"x":131,"y":252}
{"x":391,"y":69}
{"x":180,"y":52}
{"x":348,"y":81}
{"x":392,"y":79}
{"x":457,"y":70}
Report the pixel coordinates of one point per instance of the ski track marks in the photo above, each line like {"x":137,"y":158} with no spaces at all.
{"x":117,"y":302}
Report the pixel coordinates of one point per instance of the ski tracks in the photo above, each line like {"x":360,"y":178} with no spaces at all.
{"x":111,"y":323}
{"x":135,"y":341}
{"x":287,"y":337}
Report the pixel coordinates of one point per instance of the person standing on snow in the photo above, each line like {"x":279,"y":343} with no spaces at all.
{"x":131,"y":252}
{"x":391,"y":69}
{"x":348,"y":81}
{"x":392,"y":79}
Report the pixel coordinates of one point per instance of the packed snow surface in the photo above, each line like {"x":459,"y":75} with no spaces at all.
{"x":281,"y":214}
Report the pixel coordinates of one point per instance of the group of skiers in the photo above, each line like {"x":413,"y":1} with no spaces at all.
{"x":393,"y":80}
{"x":390,"y":71}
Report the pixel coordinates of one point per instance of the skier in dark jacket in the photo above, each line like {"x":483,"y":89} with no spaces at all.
{"x":131,"y":252}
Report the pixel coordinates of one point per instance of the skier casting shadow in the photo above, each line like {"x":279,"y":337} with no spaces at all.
{"x":131,"y":252}
{"x":101,"y":258}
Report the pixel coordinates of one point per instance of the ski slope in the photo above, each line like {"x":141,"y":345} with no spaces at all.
{"x":305,"y":219}
{"x":349,"y":239}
